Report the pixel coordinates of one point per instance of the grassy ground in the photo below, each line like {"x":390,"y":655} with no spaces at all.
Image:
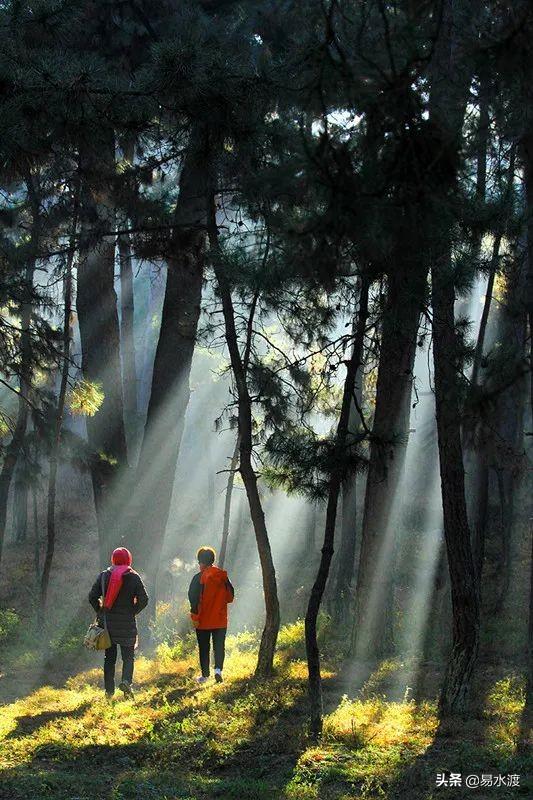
{"x":247,"y":739}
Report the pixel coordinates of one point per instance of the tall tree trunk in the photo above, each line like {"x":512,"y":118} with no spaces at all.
{"x":476,"y":461}
{"x":170,"y":390}
{"x":506,"y":423}
{"x":13,"y":449}
{"x":239,"y":365}
{"x":127,"y":343}
{"x":341,"y":601}
{"x":96,"y":304}
{"x":527,"y":714}
{"x":338,"y":474}
{"x":451,"y":80}
{"x":463,"y":575}
{"x":20,"y":501}
{"x":528,"y":303}
{"x":127,"y":313}
{"x":480,"y":342}
{"x":528,"y":711}
{"x":227,"y":503}
{"x":10,"y":461}
{"x":450,"y":75}
{"x":36,"y":541}
{"x":58,"y":423}
{"x":481,"y":497}
{"x":372,"y":633}
{"x":346,"y":557}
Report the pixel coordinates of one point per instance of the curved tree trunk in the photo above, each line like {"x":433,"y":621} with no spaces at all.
{"x":239,"y":365}
{"x":343,"y":440}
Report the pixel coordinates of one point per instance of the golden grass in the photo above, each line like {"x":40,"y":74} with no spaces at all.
{"x":245,"y":738}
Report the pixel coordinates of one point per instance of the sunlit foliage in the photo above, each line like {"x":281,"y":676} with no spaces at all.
{"x":85,"y":398}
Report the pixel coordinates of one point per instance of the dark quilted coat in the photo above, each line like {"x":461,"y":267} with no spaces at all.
{"x":130,"y":601}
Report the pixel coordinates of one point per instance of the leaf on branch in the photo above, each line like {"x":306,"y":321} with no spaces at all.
{"x":85,"y":398}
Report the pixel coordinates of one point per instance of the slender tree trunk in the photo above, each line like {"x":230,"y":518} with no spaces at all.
{"x":505,"y":530}
{"x":347,"y":550}
{"x":239,"y":365}
{"x":480,"y":342}
{"x":227,"y":502}
{"x":528,"y":303}
{"x":20,"y":501}
{"x":170,"y":390}
{"x":210,"y":488}
{"x":36,"y":541}
{"x":127,"y":343}
{"x":10,"y":461}
{"x":346,"y":557}
{"x":463,"y":576}
{"x":127,"y":313}
{"x":20,"y":494}
{"x":100,"y":336}
{"x":481,"y":495}
{"x":527,"y":714}
{"x":60,"y":410}
{"x":338,"y":474}
{"x":13,"y":449}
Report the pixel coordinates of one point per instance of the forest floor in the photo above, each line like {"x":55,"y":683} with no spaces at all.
{"x":247,"y":738}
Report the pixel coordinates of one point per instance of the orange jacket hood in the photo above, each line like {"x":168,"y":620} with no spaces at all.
{"x":213,"y":574}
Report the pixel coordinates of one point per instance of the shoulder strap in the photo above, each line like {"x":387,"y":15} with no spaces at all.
{"x":103,"y":598}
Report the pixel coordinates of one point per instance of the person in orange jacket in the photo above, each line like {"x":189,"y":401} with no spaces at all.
{"x":209,"y":594}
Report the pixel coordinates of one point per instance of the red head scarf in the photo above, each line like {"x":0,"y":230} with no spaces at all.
{"x":121,"y":560}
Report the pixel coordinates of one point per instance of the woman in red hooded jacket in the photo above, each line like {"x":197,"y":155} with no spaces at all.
{"x":124,"y":596}
{"x":209,"y":594}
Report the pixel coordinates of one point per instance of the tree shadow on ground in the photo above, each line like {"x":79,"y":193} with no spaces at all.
{"x":486,"y":742}
{"x":169,"y":760}
{"x":28,"y":724}
{"x":458,"y":749}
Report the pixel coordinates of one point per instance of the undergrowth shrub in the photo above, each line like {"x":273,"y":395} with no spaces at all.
{"x":9,"y":622}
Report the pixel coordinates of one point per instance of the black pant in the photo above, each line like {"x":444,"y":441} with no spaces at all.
{"x":204,"y":641}
{"x":110,"y":660}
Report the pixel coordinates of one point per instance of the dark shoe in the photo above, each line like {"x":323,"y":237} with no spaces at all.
{"x":109,"y":695}
{"x":218,"y":677}
{"x":128,"y":691}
